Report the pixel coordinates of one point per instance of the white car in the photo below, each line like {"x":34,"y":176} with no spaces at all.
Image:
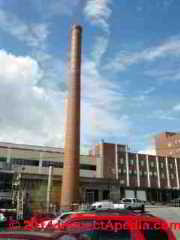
{"x":102,"y":204}
{"x":133,"y":203}
{"x":106,"y":205}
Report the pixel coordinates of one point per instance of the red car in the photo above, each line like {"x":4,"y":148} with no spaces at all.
{"x":39,"y":217}
{"x":103,"y":227}
{"x":86,"y":233}
{"x":145,"y":227}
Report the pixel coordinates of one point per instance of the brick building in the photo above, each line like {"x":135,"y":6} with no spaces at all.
{"x":141,"y":175}
{"x":168,"y":144}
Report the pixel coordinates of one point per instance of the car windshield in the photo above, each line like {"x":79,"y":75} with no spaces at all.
{"x":107,"y":235}
{"x":65,"y":217}
{"x":155,"y":234}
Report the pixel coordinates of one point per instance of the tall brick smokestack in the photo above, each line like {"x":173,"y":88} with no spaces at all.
{"x":70,"y":182}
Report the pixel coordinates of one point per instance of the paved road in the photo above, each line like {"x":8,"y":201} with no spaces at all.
{"x":171,"y":214}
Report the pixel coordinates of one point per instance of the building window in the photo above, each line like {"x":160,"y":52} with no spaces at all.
{"x":142,"y":163}
{"x":169,"y":144}
{"x":171,"y":166}
{"x":150,"y":173}
{"x":155,"y":174}
{"x":25,"y":162}
{"x":162,"y":165}
{"x":131,"y":161}
{"x":2,"y":159}
{"x":121,"y":181}
{"x":152,"y":164}
{"x":60,"y":165}
{"x":52,"y":163}
{"x":172,"y":175}
{"x":121,"y":161}
{"x":120,"y":171}
{"x":124,"y":171}
{"x":121,"y":148}
{"x":142,"y":173}
{"x":162,"y":175}
{"x":84,"y":166}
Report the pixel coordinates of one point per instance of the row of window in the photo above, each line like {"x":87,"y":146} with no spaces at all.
{"x":142,"y":163}
{"x":27,"y":162}
{"x":175,"y":142}
{"x":144,"y":173}
{"x":53,"y":164}
{"x":3,"y":159}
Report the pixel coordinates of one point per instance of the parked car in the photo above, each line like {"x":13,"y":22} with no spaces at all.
{"x":125,"y":203}
{"x":133,"y":203}
{"x":175,"y":202}
{"x":94,"y":226}
{"x":63,"y":217}
{"x":105,"y":205}
{"x":107,"y":226}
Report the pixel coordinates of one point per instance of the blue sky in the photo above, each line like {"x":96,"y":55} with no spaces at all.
{"x":130,"y":70}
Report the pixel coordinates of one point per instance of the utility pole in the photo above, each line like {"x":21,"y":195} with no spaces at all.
{"x":49,"y":188}
{"x":18,"y":196}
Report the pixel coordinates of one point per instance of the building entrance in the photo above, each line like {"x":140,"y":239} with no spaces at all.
{"x":91,"y":196}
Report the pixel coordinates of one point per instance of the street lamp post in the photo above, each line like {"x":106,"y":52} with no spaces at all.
{"x":49,"y":188}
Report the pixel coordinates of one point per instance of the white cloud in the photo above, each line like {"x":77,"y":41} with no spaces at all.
{"x":163,"y":114}
{"x":99,"y":98}
{"x":100,"y":48}
{"x":176,"y":108}
{"x":150,"y":150}
{"x":149,"y":90}
{"x":98,"y":12}
{"x":124,"y":59}
{"x":54,"y":70}
{"x":23,"y":69}
{"x":33,"y":35}
{"x":143,"y":97}
{"x":164,"y":74}
{"x":29,"y":114}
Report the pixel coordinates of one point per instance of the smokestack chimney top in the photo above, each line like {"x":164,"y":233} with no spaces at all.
{"x":77,"y":27}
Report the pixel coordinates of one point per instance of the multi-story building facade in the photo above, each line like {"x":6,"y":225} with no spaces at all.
{"x":145,"y":176}
{"x":110,"y":171}
{"x":33,"y":163}
{"x":168,"y":144}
